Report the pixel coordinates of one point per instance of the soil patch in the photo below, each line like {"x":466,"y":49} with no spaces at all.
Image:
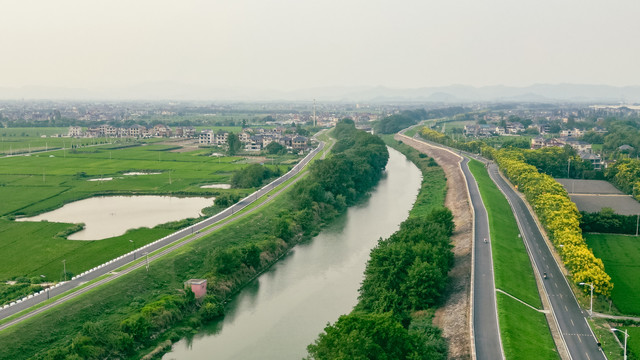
{"x":453,"y":316}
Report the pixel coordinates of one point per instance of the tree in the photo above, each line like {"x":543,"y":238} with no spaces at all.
{"x":593,"y":137}
{"x":234,"y":143}
{"x":251,"y":176}
{"x":361,"y":336}
{"x":275,"y":148}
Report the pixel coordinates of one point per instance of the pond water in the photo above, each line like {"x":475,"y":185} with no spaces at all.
{"x":110,"y":216}
{"x":216,"y":186}
{"x":280,"y":313}
{"x":134,"y":173}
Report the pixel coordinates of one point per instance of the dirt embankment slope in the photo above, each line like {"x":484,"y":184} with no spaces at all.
{"x":453,"y":317}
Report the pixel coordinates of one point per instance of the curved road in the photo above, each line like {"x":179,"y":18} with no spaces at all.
{"x":486,"y":342}
{"x":576,"y":336}
{"x":139,"y":253}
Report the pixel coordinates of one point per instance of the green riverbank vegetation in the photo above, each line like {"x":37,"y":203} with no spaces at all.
{"x":405,"y":279}
{"x":143,"y":311}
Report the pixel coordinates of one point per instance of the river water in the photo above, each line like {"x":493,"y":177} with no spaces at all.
{"x":284,"y":310}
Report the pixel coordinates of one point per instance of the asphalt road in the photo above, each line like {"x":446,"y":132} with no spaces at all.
{"x":139,"y":253}
{"x":486,"y":333}
{"x":485,"y":315}
{"x":571,"y":319}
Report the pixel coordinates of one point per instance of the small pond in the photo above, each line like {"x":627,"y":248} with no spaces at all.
{"x":111,"y":216}
{"x":216,"y":186}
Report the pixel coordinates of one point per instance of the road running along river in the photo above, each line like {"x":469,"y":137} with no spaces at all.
{"x":284,"y":310}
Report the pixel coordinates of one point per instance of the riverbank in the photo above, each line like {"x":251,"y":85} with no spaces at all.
{"x":405,"y":279}
{"x":128,"y":318}
{"x":453,"y":316}
{"x":280,"y":313}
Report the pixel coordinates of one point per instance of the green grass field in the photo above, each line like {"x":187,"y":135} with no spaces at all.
{"x":522,"y":329}
{"x":621,"y":257}
{"x":126,"y":295}
{"x":24,"y":140}
{"x":33,"y":249}
{"x":30,"y":185}
{"x":633,"y":342}
{"x":511,"y":263}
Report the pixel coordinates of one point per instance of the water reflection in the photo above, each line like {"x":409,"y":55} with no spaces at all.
{"x":283,"y":311}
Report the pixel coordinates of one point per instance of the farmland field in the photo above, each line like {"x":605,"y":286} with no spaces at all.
{"x":30,"y":185}
{"x":24,"y":140}
{"x":621,"y":257}
{"x":28,"y":140}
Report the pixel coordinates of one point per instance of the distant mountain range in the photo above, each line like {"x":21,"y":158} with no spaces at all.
{"x":445,"y":94}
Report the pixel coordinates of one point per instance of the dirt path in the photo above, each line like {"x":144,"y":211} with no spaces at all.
{"x":453,"y":317}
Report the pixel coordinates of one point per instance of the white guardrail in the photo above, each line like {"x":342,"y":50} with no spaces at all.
{"x":192,"y":227}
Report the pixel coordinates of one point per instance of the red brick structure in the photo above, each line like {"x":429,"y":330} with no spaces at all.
{"x":198,"y":286}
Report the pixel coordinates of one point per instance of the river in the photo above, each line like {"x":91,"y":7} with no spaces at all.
{"x":280,"y":313}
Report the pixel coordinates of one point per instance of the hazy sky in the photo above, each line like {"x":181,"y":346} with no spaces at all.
{"x":292,"y":44}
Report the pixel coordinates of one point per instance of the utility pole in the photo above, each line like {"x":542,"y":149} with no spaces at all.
{"x":568,"y":169}
{"x":64,"y":269}
{"x":147,"y":255}
{"x":134,"y":249}
{"x":314,"y":112}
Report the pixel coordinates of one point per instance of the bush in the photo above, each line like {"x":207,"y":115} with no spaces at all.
{"x":368,"y":336}
{"x":607,"y":221}
{"x":252,"y":176}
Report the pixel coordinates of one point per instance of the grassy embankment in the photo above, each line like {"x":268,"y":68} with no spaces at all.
{"x":130,"y":296}
{"x":33,"y":184}
{"x":524,"y":331}
{"x":434,"y":183}
{"x":126,"y":295}
{"x":621,"y":257}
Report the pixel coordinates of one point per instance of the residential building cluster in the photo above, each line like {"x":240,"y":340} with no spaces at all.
{"x":134,"y":131}
{"x":256,"y":139}
{"x":583,"y":149}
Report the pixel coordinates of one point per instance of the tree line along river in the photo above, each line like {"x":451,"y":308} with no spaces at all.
{"x":277,"y":315}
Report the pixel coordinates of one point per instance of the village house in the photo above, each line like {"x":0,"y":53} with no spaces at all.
{"x":75,"y":131}
{"x":594,"y":159}
{"x":299,"y":143}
